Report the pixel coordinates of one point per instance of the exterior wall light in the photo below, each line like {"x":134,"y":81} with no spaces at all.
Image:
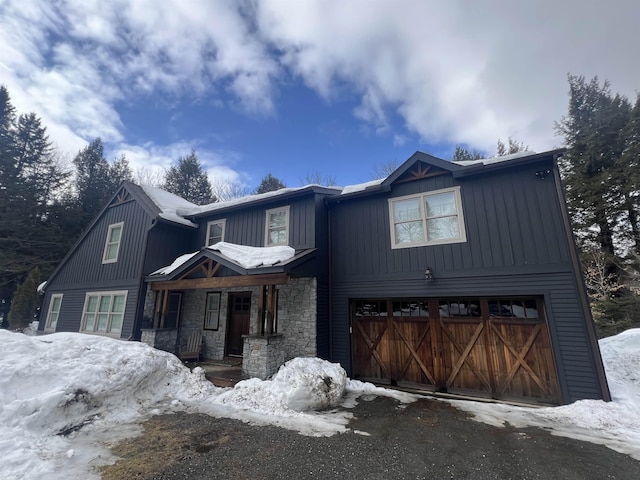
{"x":428,"y":275}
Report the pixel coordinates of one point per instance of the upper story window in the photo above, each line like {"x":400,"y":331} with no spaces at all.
{"x":112,"y":245}
{"x":277,"y":227}
{"x":54,"y":311}
{"x":215,"y":232}
{"x":431,"y":218}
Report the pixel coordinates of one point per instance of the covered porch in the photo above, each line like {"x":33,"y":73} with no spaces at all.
{"x":262,"y":315}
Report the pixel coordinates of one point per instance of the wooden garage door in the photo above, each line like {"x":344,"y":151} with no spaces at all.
{"x":492,"y":347}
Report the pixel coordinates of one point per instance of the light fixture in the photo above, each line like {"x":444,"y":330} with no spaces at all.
{"x":428,"y":275}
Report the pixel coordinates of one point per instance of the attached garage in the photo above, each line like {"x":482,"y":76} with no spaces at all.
{"x":488,"y":347}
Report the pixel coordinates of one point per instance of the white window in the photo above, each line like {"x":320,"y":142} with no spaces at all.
{"x":212,"y":311}
{"x":112,"y":245}
{"x":54,"y":311}
{"x":277,"y":227}
{"x":104,"y":312}
{"x":215,"y":232}
{"x":427,"y":219}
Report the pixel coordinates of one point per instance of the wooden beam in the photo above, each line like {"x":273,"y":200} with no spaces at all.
{"x":223,"y":282}
{"x":271,"y":304}
{"x":261,"y":309}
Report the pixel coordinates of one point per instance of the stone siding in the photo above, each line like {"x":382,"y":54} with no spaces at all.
{"x":262,"y":355}
{"x":296,"y":325}
{"x":164,"y":339}
{"x":297,"y":317}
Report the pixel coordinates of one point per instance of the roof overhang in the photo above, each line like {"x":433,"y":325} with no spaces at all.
{"x":263,"y":275}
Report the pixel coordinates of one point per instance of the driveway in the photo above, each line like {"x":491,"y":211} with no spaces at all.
{"x":427,"y":439}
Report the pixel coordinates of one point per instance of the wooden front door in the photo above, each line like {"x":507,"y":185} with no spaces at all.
{"x":495,"y":348}
{"x":239,"y":308}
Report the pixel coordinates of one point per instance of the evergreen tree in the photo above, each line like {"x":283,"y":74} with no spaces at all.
{"x":188,"y":180}
{"x":592,"y":166}
{"x":26,"y":301}
{"x":628,"y":170}
{"x":30,"y":181}
{"x":119,"y":171}
{"x":269,"y":184}
{"x":93,"y":184}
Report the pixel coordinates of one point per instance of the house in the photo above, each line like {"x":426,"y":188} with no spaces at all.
{"x":457,"y":277}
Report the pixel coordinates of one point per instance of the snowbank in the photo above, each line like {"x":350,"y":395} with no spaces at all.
{"x":615,"y":424}
{"x":64,"y":394}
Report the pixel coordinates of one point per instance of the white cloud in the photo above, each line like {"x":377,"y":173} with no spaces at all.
{"x":454,"y":72}
{"x":467,"y":72}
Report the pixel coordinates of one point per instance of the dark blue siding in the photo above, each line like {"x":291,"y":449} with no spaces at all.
{"x":83,"y":270}
{"x":572,"y":351}
{"x":512,"y":219}
{"x":246,"y":226}
{"x":73,"y":303}
{"x":516,"y":245}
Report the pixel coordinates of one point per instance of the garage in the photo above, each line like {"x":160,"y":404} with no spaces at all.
{"x":493,"y":347}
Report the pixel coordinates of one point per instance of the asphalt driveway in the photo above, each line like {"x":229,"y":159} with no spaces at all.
{"x":425,"y":439}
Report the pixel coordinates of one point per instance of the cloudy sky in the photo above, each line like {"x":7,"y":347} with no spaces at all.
{"x":295,"y":87}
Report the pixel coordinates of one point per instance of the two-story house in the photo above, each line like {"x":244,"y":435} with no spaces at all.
{"x":452,"y":277}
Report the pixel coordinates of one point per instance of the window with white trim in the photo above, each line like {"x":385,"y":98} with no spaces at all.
{"x":104,"y":312}
{"x":112,"y":244}
{"x":215,"y":232}
{"x":212,"y":311}
{"x":431,"y":218}
{"x":54,"y":311}
{"x":277,"y":227}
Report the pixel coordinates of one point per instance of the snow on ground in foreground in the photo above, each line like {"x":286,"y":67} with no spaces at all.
{"x":63,"y":395}
{"x":615,"y":424}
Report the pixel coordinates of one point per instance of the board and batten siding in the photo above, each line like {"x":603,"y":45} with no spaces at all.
{"x":83,"y":271}
{"x":246,"y":225}
{"x":571,"y":347}
{"x":515,"y":246}
{"x":85,"y":266}
{"x":72,"y":305}
{"x":512,"y":220}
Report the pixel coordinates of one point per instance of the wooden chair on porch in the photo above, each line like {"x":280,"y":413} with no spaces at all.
{"x":193,"y":347}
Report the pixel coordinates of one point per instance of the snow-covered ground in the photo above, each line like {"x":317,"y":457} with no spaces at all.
{"x":64,"y":397}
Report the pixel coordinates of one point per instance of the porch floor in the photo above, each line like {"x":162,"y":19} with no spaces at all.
{"x":222,"y":373}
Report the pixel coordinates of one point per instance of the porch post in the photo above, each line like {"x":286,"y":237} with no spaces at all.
{"x":271,"y":302}
{"x":261,"y":320}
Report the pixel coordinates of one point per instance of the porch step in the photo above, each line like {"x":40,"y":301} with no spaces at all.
{"x":222,"y":374}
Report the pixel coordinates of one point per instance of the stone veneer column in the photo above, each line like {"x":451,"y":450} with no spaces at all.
{"x":162,"y":339}
{"x":262,"y":355}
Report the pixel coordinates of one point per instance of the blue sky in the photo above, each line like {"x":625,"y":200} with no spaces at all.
{"x":296,"y":87}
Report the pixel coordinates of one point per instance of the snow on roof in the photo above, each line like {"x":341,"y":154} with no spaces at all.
{"x":492,"y":160}
{"x":361,"y":186}
{"x":212,"y":207}
{"x":176,"y":263}
{"x":252,"y":257}
{"x":172,"y":207}
{"x":41,"y":287}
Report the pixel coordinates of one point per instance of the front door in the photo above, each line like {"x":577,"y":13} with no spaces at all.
{"x":238,"y":321}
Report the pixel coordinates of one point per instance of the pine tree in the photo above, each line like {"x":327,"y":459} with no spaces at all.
{"x":269,"y":184}
{"x":188,"y":180}
{"x":30,"y":181}
{"x":628,"y":168}
{"x":93,"y":185}
{"x":593,"y":133}
{"x":26,"y":301}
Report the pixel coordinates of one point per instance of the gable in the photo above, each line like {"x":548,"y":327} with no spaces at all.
{"x":83,"y":264}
